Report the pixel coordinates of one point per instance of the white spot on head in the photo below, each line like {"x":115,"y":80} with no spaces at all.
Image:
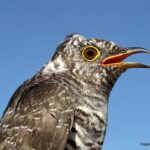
{"x":99,"y":44}
{"x":75,"y":43}
{"x":79,"y":37}
{"x":112,"y":43}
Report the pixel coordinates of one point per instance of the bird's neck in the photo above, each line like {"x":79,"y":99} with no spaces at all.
{"x":90,"y":104}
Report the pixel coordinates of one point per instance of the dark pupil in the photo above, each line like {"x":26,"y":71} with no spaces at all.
{"x":90,"y":53}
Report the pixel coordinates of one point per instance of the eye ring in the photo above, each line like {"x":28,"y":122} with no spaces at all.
{"x":90,"y":53}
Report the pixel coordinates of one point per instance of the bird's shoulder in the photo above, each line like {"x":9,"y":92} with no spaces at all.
{"x":38,"y":90}
{"x":40,"y":110}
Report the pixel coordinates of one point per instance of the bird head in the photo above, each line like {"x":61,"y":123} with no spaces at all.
{"x":93,"y":59}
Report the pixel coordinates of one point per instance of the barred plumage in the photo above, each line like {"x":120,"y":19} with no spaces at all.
{"x":64,"y":106}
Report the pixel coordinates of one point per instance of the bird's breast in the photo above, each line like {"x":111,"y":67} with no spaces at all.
{"x":88,"y":128}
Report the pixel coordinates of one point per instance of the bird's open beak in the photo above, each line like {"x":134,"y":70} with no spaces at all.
{"x":116,"y":60}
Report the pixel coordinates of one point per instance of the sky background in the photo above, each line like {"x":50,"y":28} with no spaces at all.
{"x":30,"y":30}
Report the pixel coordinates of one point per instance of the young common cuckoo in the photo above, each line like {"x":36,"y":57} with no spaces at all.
{"x":64,"y":106}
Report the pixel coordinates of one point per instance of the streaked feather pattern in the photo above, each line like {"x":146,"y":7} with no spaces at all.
{"x":64,"y":105}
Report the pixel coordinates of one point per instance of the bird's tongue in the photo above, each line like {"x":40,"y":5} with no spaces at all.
{"x":116,"y":59}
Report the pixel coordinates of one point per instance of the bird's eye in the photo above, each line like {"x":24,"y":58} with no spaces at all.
{"x":90,"y":53}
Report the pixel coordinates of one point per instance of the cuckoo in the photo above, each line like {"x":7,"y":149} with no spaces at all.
{"x":65,"y":104}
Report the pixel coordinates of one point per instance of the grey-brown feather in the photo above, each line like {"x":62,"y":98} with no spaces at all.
{"x":39,"y":118}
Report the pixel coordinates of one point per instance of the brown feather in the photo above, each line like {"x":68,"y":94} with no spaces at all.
{"x":39,"y":119}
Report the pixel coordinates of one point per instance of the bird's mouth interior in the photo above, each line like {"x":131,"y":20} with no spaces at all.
{"x":116,"y":60}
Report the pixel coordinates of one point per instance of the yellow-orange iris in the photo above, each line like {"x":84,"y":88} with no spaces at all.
{"x":90,"y":53}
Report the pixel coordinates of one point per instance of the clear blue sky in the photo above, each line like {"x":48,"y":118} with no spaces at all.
{"x":31,"y":29}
